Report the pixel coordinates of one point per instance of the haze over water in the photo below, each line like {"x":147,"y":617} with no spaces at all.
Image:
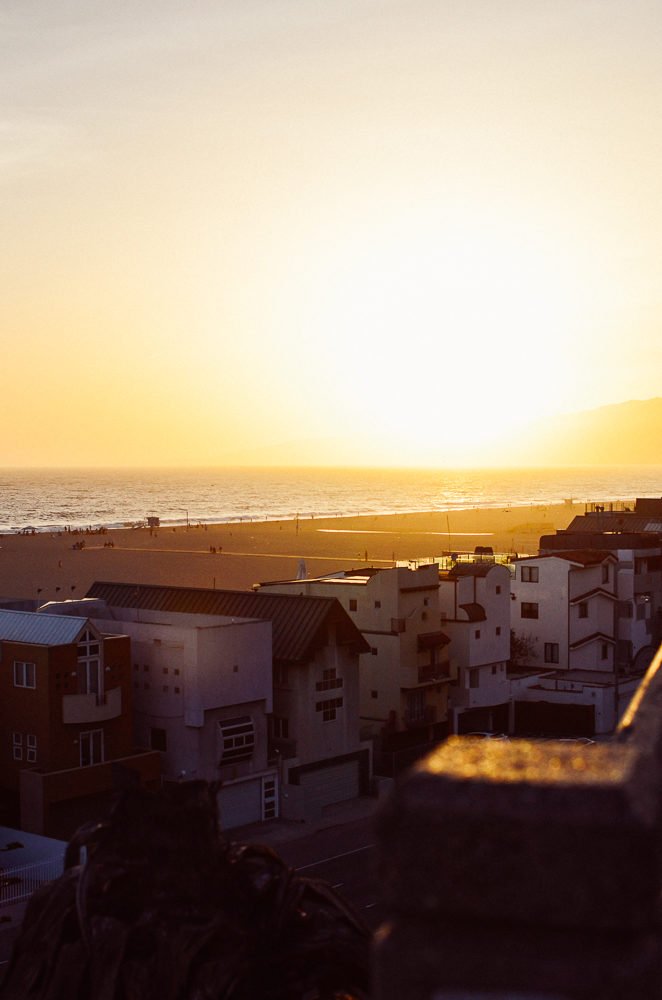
{"x":54,"y":498}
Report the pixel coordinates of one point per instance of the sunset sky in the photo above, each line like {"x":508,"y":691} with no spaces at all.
{"x":343,"y":231}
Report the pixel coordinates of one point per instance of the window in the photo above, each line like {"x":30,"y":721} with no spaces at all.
{"x":498,"y":630}
{"x":237,"y":739}
{"x":477,"y":633}
{"x":329,"y":680}
{"x":269,"y":798}
{"x":424,"y":616}
{"x":280,"y":727}
{"x":498,"y":588}
{"x":551,"y":652}
{"x":352,"y":604}
{"x":529,"y":610}
{"x":17,"y":741}
{"x":158,"y":739}
{"x":582,"y":609}
{"x":416,"y":706}
{"x":24,"y":674}
{"x":165,"y":670}
{"x":398,"y":624}
{"x":474,"y":678}
{"x":426,"y":602}
{"x":328,"y":708}
{"x":494,"y":669}
{"x":91,"y":747}
{"x":31,"y":752}
{"x":605,"y":573}
{"x":89,"y":664}
{"x":374,"y":694}
{"x":604,"y":651}
{"x":529,"y":574}
{"x":625,"y":609}
{"x":378,"y":604}
{"x":373,"y":651}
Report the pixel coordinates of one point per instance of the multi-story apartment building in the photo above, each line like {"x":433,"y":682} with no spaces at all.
{"x":202,"y":695}
{"x":563,"y":610}
{"x":65,"y":726}
{"x":404,"y":672}
{"x":638,"y":571}
{"x":475,"y":609}
{"x":314,"y":740}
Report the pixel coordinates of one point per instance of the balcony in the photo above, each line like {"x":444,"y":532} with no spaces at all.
{"x":285,"y":749}
{"x":434,"y":673}
{"x":91,"y":708}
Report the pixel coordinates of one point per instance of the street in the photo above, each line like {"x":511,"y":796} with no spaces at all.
{"x":346,"y":857}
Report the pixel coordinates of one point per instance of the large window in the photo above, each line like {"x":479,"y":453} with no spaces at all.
{"x":529,"y":574}
{"x":280,"y":727}
{"x":237,"y":739}
{"x":329,"y":680}
{"x":91,"y":747}
{"x":529,"y":610}
{"x":329,"y":708}
{"x":89,"y":664}
{"x":551,"y":652}
{"x":25,"y":674}
{"x":158,"y":739}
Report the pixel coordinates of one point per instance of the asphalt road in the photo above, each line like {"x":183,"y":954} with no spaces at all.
{"x":346,"y":857}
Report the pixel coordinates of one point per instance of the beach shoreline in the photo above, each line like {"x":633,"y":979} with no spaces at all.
{"x":58,"y":565}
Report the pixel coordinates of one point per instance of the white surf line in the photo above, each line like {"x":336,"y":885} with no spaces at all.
{"x":336,"y":857}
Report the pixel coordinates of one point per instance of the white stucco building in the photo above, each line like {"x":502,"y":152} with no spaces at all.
{"x":296,"y":660}
{"x":404,"y":672}
{"x":563,"y":610}
{"x":474,"y":600}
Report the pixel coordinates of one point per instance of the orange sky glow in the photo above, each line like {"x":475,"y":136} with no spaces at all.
{"x":381,"y":232}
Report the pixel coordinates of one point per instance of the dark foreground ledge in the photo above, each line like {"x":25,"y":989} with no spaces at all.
{"x":527,"y":870}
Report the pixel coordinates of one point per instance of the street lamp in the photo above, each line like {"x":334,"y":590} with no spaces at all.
{"x":186,"y":512}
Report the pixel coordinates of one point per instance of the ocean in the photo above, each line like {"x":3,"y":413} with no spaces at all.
{"x":51,"y":499}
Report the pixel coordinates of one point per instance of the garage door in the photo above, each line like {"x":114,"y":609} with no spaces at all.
{"x":330,"y":784}
{"x":240,"y":804}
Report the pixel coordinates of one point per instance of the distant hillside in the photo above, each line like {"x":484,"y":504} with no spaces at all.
{"x":620,"y":434}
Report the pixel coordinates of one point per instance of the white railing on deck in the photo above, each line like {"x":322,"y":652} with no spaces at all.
{"x":17,"y":884}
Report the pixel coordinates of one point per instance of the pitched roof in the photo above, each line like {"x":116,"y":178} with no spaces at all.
{"x":298,"y":620}
{"x":593,"y":637}
{"x":616,"y":521}
{"x":40,"y":629}
{"x":474,"y":612}
{"x":593,"y":593}
{"x":583,"y":557}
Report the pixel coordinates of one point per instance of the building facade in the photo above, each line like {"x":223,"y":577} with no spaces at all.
{"x":65,"y":690}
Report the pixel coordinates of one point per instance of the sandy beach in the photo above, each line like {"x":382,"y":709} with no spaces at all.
{"x":55,"y":566}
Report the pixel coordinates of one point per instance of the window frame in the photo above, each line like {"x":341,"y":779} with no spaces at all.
{"x":25,"y":669}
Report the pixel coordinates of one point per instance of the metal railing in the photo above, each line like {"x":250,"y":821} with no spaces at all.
{"x":17,"y":884}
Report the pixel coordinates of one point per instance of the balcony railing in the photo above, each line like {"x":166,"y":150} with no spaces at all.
{"x":89,"y":708}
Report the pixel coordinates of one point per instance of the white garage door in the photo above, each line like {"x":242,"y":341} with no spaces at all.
{"x":240,"y":804}
{"x":330,"y":784}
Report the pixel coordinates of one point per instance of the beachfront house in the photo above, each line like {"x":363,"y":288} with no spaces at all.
{"x":404,"y":671}
{"x":313,"y":744}
{"x":65,"y":726}
{"x":202,"y":695}
{"x":638,"y":572}
{"x":563,"y":616}
{"x":474,"y":601}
